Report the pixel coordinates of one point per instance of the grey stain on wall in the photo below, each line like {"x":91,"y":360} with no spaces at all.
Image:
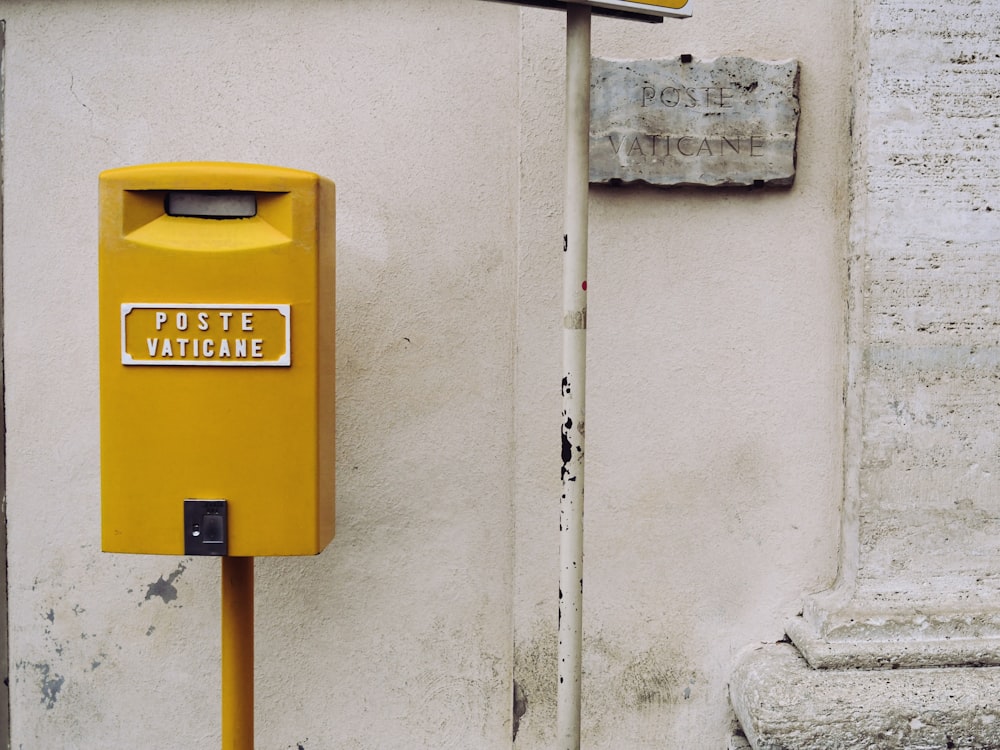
{"x":621,"y":681}
{"x":641,"y":686}
{"x":520,"y":708}
{"x":164,"y":588}
{"x":535,"y":663}
{"x":50,"y":683}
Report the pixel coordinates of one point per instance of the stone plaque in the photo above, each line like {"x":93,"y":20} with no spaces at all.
{"x":678,"y":121}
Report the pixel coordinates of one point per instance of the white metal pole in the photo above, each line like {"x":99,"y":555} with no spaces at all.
{"x":574,"y":381}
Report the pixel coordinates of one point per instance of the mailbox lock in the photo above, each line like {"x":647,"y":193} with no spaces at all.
{"x":206,"y":527}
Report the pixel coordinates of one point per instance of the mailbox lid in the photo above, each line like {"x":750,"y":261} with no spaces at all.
{"x":207,"y":175}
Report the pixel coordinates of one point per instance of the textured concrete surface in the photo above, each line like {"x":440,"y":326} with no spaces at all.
{"x":874,"y":639}
{"x":919,"y":581}
{"x":918,"y":587}
{"x":784,"y":704}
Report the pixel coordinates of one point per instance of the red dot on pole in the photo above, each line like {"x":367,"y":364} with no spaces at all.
{"x":585,"y":286}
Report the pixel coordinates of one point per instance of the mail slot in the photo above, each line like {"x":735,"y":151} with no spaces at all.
{"x":217,"y":359}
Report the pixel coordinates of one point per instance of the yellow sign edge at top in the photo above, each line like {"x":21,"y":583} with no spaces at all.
{"x":672,"y":8}
{"x":651,"y":11}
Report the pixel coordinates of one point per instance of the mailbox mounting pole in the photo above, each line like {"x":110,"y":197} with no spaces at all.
{"x":201,"y":267}
{"x":237,"y":653}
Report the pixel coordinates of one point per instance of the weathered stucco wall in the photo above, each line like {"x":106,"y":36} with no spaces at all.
{"x":715,"y":380}
{"x":715,"y":417}
{"x":398,"y":636}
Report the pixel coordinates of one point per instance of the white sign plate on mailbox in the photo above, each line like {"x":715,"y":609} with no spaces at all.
{"x":209,"y":335}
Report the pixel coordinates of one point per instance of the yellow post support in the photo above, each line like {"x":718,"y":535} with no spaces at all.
{"x":237,"y":653}
{"x":217,"y":328}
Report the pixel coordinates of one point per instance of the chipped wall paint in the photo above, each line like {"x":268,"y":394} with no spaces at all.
{"x":714,"y":388}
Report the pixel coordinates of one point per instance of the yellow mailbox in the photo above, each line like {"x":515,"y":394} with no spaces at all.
{"x":216,"y":359}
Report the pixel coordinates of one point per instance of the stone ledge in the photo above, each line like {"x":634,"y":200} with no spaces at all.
{"x":784,"y":704}
{"x":909,"y":648}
